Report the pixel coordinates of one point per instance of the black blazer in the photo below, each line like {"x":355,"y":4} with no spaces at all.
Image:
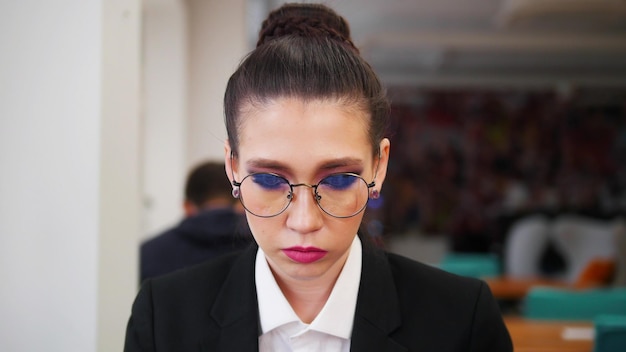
{"x":402,"y":306}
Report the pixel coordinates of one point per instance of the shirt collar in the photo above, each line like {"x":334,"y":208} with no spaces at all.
{"x":336,"y":317}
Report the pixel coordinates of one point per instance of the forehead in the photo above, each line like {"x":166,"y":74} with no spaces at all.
{"x":294,"y":129}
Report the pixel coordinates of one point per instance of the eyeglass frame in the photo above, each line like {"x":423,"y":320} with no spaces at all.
{"x":237,"y":192}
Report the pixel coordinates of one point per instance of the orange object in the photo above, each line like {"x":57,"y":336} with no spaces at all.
{"x":516,"y":288}
{"x":598,"y":272}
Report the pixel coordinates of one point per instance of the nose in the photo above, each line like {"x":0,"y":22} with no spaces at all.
{"x":304,"y":215}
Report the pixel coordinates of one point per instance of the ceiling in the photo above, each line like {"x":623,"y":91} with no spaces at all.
{"x":485,"y":42}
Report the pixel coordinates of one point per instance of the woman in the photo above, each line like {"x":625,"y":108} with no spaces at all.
{"x":306,"y":117}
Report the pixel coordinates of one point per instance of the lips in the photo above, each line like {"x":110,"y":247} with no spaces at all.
{"x":304,"y":255}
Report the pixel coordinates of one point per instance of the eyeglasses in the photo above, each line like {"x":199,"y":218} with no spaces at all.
{"x":341,"y":195}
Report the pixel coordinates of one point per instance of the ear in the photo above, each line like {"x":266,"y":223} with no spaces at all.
{"x":189,"y":208}
{"x":230,"y":164}
{"x":383,"y":161}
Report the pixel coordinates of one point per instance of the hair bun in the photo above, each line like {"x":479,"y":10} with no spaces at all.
{"x":305,"y":20}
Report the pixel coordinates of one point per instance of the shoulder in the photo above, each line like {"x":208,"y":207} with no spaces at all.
{"x":422,"y":290}
{"x":444,"y":291}
{"x":215,"y":270}
{"x":411,"y":274}
{"x":409,"y":271}
{"x":178,"y":310}
{"x":203,"y":281}
{"x":192,"y":292}
{"x":433,"y":301}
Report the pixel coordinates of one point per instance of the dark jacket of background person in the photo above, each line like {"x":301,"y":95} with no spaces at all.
{"x":402,"y":306}
{"x":195,"y":239}
{"x":212,"y":225}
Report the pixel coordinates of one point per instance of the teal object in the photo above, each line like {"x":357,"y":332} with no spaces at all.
{"x":568,"y":304}
{"x":472,"y":265}
{"x":610,"y":333}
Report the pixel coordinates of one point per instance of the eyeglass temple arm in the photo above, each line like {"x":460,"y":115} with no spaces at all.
{"x":232,"y":173}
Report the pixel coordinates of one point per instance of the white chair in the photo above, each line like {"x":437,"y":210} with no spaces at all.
{"x":582,"y":239}
{"x":525,"y":242}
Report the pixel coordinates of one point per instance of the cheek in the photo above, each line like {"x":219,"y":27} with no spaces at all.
{"x":345,"y":227}
{"x":262,"y":228}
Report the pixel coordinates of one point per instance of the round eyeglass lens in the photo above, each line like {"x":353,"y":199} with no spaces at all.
{"x":342,"y":195}
{"x":265,"y":194}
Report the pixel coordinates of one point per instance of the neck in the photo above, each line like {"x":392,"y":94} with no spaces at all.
{"x":307,"y":302}
{"x":217,"y":203}
{"x":308,"y":297}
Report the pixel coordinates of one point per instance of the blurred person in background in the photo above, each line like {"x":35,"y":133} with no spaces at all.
{"x":213,"y":225}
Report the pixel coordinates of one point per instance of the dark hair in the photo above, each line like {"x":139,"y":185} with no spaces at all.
{"x":206,"y":181}
{"x":309,"y":58}
{"x":278,"y":21}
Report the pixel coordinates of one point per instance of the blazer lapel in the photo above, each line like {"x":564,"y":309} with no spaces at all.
{"x":235,"y":309}
{"x":377,"y":312}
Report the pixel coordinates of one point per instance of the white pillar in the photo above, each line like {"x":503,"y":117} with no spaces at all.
{"x":69,"y":166}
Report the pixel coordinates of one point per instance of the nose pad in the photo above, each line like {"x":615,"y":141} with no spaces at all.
{"x":291,"y":196}
{"x":316,"y":195}
{"x":305,"y":215}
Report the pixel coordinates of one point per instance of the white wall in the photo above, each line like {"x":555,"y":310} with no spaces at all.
{"x":68,"y":179}
{"x":165,"y":83}
{"x":119,"y":179}
{"x":217,"y":39}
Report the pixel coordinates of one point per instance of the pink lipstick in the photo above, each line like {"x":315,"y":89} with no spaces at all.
{"x":304,"y":255}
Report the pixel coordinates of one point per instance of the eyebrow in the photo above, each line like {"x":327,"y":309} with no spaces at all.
{"x":263,"y":163}
{"x":327,"y":165}
{"x":341,"y":162}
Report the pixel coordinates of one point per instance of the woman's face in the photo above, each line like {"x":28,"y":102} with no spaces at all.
{"x":304,"y":142}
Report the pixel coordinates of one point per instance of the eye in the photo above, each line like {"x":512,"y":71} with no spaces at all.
{"x":269,"y":181}
{"x":339,"y":181}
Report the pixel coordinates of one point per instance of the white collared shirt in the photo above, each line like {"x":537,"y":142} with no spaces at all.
{"x":281,"y":328}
